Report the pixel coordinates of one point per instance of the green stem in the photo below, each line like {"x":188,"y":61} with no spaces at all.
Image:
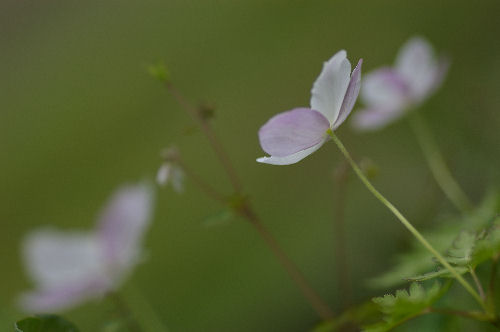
{"x":404,"y":221}
{"x":438,"y":167}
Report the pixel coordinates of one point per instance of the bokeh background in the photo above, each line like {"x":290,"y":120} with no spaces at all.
{"x":79,"y":115}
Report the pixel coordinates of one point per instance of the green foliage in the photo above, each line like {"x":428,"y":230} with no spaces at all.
{"x":405,"y":305}
{"x":477,"y":241}
{"x":44,"y":323}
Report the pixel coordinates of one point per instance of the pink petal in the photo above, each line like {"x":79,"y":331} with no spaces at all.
{"x":372,"y":119}
{"x":384,"y":88}
{"x":418,"y":66}
{"x":291,"y":159}
{"x":122,"y":226}
{"x":350,"y":96}
{"x":293,"y":131}
{"x":56,"y":257}
{"x":62,"y":297}
{"x":330,"y":87}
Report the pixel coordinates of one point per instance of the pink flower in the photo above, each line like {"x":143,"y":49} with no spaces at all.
{"x":70,"y":267}
{"x":291,"y":136}
{"x":391,"y":91}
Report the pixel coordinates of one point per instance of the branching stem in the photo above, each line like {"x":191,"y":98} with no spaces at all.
{"x":245,"y":210}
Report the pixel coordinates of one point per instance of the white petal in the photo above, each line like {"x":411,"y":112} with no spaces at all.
{"x":122,"y":226}
{"x":418,"y":66}
{"x":351,"y":95}
{"x":53,"y":257}
{"x":329,"y":89}
{"x":384,"y":88}
{"x":373,"y":119}
{"x":291,"y":159}
{"x":62,"y":296}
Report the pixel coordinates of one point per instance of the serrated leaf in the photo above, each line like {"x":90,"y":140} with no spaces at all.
{"x":489,"y":246}
{"x":405,"y":305}
{"x":418,"y":260}
{"x":462,"y":248}
{"x":44,"y":323}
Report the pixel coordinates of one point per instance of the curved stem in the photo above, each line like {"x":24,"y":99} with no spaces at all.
{"x":405,"y":222}
{"x":293,"y":271}
{"x":436,"y":163}
{"x":314,"y":299}
{"x":125,"y":312}
{"x":209,"y":134}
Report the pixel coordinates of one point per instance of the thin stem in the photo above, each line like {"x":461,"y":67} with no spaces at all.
{"x":341,"y":177}
{"x":146,"y":311}
{"x":478,"y":283}
{"x":125,"y":312}
{"x":209,"y":134}
{"x":438,"y":167}
{"x":491,"y":286}
{"x":314,"y":299}
{"x":404,"y":221}
{"x":204,"y":186}
{"x":460,"y":313}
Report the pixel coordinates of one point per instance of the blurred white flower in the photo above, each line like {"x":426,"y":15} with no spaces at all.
{"x":171,"y":174}
{"x":389,"y":92}
{"x":69,"y":267}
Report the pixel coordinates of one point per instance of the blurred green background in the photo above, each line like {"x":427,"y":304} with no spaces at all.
{"x":79,"y":115}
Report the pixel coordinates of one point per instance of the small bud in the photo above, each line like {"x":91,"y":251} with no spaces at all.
{"x":160,"y":72}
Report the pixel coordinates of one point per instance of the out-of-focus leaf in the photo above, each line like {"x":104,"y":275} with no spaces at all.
{"x":45,"y":323}
{"x":462,"y":248}
{"x":221,"y":218}
{"x":353,"y":317}
{"x":405,"y":305}
{"x":417,"y":261}
{"x":441,"y":273}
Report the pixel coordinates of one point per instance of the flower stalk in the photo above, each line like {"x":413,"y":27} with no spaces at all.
{"x":436,"y":163}
{"x":405,"y":221}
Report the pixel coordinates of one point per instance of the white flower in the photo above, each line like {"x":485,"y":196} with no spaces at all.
{"x":389,"y":92}
{"x":69,"y":267}
{"x":291,"y":136}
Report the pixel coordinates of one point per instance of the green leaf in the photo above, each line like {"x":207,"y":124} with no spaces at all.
{"x":417,"y":261}
{"x":440,"y":273}
{"x":462,"y":248}
{"x":405,"y":305}
{"x":45,"y":323}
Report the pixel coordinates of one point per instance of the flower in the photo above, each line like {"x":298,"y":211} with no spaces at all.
{"x":170,"y":172}
{"x":70,"y":267}
{"x":291,"y":136}
{"x":389,"y":92}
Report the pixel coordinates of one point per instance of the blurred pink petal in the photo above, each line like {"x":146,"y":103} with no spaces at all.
{"x":71,"y":267}
{"x":122,"y":225}
{"x":373,"y":119}
{"x":418,"y":66}
{"x":390,"y":92}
